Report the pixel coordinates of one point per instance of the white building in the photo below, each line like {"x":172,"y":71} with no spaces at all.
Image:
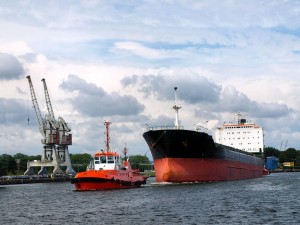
{"x":243,"y":135}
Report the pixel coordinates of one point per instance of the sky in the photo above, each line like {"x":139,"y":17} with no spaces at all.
{"x":120,"y":60}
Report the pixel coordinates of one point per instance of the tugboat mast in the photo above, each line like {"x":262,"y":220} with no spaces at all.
{"x":107,"y":123}
{"x":125,"y":150}
{"x":176,"y":108}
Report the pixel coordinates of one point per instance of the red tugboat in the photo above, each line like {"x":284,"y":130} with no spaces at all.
{"x":107,"y":172}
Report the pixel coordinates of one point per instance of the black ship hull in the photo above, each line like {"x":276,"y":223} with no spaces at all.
{"x":187,"y":156}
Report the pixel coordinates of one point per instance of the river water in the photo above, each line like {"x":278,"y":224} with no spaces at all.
{"x":273,"y":199}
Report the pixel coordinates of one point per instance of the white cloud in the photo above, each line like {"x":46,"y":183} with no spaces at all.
{"x":140,"y":50}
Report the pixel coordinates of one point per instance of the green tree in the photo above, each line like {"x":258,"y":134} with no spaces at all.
{"x":80,"y":161}
{"x":297,"y":159}
{"x":288,"y":155}
{"x":139,"y":162}
{"x":22,"y":165}
{"x":1,"y":168}
{"x":9,"y":164}
{"x":270,"y":151}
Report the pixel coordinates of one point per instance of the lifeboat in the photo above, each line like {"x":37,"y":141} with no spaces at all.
{"x":106,"y":171}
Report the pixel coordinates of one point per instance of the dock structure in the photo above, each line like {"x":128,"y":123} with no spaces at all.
{"x":56,"y":139}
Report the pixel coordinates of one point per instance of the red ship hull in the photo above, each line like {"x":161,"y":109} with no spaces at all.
{"x":203,"y":170}
{"x":94,"y":180}
{"x":97,"y":185}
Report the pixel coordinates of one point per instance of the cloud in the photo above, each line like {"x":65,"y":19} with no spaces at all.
{"x":270,"y":110}
{"x":233,"y":101}
{"x":20,"y":91}
{"x":13,"y":111}
{"x":29,"y":57}
{"x":75,"y":83}
{"x":140,"y":50}
{"x":191,"y":88}
{"x":161,"y":120}
{"x":94,"y":101}
{"x":10,"y":67}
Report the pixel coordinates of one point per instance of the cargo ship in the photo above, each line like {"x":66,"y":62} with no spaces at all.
{"x":193,"y":156}
{"x":106,"y":171}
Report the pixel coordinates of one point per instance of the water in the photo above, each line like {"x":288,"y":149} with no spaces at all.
{"x":272,"y":199}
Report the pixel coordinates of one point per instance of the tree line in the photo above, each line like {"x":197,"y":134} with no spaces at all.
{"x":289,"y":155}
{"x":17,"y":164}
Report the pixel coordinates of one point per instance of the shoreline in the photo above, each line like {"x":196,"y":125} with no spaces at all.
{"x":33,"y":180}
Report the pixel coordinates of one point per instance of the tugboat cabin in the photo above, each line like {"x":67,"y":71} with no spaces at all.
{"x":106,"y":161}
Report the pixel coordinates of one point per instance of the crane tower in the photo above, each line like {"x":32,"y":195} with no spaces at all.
{"x":56,"y":138}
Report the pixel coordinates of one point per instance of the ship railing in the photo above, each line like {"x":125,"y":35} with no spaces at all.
{"x":165,"y":128}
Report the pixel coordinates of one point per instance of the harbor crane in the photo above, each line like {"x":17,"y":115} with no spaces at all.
{"x":55,"y":138}
{"x":63,"y":138}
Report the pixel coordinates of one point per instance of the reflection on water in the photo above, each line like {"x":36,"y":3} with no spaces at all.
{"x":272,"y":199}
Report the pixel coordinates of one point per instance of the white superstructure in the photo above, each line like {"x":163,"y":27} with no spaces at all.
{"x":243,"y":135}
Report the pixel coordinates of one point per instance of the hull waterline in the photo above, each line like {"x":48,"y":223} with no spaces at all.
{"x":94,"y":184}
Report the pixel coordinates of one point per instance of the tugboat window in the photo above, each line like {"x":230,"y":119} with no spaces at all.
{"x":97,"y":160}
{"x":110,"y":159}
{"x":103,"y":159}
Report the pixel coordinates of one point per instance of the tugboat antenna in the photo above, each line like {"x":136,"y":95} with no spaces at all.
{"x":107,"y":123}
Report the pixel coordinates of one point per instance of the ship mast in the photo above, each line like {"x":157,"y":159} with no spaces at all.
{"x":176,"y":108}
{"x":107,"y":123}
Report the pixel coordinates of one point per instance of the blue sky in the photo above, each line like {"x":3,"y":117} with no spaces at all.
{"x":119,"y":60}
